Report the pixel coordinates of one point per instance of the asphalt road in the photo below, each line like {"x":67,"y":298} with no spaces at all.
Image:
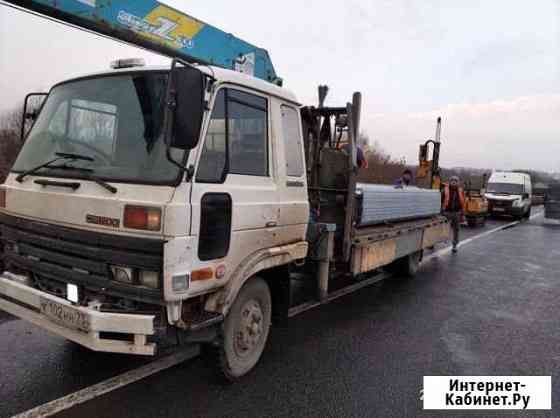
{"x":490,"y":310}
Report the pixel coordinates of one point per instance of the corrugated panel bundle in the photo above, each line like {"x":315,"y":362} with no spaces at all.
{"x":379,"y":203}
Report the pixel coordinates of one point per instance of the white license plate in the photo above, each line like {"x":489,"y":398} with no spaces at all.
{"x":65,"y":315}
{"x":499,"y":210}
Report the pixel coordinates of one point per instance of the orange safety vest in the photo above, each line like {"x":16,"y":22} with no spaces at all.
{"x":447,"y":197}
{"x":363,"y":162}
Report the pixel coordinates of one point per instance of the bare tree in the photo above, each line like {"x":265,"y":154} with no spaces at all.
{"x":10,"y":143}
{"x":382,"y":167}
{"x":10,"y":133}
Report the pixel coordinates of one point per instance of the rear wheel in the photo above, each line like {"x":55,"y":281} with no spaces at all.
{"x":245,"y":329}
{"x":408,"y":266}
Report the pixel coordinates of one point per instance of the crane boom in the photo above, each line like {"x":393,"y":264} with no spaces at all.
{"x":157,"y":27}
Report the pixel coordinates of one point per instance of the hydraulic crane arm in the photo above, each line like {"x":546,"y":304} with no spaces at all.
{"x":427,"y":167}
{"x":157,"y":27}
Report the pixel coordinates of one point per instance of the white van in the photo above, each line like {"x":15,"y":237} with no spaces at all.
{"x":509,"y":194}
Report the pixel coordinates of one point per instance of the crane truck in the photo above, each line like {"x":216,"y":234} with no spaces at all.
{"x":181,"y":203}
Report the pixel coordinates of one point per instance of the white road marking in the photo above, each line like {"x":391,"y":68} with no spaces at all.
{"x":109,"y":385}
{"x":447,"y":250}
{"x":114,"y":383}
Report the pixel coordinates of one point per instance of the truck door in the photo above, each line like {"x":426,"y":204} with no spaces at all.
{"x":294,"y":207}
{"x":234,"y":194}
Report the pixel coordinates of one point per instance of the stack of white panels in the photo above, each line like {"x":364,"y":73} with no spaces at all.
{"x":380,"y":203}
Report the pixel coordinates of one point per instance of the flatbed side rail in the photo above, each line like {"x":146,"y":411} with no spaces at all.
{"x":376,"y":250}
{"x":370,"y":234}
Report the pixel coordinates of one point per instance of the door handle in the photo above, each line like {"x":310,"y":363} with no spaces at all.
{"x":271,"y":224}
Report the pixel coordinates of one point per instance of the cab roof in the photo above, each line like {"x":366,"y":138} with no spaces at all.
{"x":222,"y":75}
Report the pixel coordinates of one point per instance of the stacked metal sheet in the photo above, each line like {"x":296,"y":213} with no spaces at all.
{"x":379,"y":203}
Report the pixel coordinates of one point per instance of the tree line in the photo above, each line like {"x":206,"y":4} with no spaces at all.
{"x":382,"y":168}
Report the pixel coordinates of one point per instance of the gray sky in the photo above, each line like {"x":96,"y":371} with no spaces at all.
{"x":491,"y":69}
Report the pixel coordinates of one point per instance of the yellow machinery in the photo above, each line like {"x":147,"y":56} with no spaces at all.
{"x":428,"y":172}
{"x":476,"y":204}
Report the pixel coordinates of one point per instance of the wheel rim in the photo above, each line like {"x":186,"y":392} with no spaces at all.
{"x":250,"y":329}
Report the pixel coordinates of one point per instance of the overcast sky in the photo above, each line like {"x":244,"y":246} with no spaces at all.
{"x":491,"y":69}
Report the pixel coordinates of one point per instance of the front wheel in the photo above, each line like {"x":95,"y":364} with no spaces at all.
{"x":245,"y":329}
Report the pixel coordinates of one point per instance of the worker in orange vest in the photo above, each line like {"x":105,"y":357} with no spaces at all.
{"x":360,"y":155}
{"x":454,"y":207}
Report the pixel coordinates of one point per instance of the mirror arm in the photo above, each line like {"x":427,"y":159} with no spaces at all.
{"x":171,"y":160}
{"x":190,"y":172}
{"x":170,"y":106}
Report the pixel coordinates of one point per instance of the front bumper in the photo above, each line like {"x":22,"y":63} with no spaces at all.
{"x":506,"y":209}
{"x":25,"y":302}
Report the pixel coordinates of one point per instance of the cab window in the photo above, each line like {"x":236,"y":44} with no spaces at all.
{"x":292,"y":142}
{"x":237,"y":138}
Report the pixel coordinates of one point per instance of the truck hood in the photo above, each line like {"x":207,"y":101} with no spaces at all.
{"x":88,"y":207}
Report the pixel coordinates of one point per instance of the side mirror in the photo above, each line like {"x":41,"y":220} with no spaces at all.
{"x":185,"y":106}
{"x":32,"y":114}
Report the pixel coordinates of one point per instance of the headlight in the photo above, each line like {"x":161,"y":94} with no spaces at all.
{"x":517,"y":203}
{"x":149,"y":279}
{"x":123,"y":274}
{"x":136,"y":277}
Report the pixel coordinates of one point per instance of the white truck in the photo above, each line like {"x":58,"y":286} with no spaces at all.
{"x":510,"y":193}
{"x":182,"y":201}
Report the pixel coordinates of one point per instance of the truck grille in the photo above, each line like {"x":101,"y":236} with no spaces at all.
{"x":52,"y":254}
{"x":506,"y":204}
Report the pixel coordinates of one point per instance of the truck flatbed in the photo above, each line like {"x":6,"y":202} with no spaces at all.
{"x":374,"y":251}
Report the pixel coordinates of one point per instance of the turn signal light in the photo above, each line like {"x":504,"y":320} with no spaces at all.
{"x":142,"y":217}
{"x":200,"y":275}
{"x":2,"y":197}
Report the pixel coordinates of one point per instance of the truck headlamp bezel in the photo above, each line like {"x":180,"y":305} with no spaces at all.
{"x":123,"y":274}
{"x":149,"y":279}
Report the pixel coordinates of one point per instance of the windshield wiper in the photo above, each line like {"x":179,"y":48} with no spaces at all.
{"x":59,"y":156}
{"x":103,"y":184}
{"x":91,"y":177}
{"x":72,"y":156}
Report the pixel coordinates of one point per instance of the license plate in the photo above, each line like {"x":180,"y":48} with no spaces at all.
{"x":65,"y":315}
{"x":499,"y":210}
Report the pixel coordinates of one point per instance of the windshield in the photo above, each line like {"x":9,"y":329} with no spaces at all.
{"x":505,"y":188}
{"x":116,"y":120}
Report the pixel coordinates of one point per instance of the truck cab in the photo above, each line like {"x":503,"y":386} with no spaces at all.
{"x":510,"y":194}
{"x":111,"y":225}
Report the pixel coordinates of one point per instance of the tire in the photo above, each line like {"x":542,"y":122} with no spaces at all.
{"x":408,"y":266}
{"x":245,"y":330}
{"x":472,"y":223}
{"x":528,"y":214}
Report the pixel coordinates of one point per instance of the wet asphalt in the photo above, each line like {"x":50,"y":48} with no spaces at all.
{"x":492,"y":309}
